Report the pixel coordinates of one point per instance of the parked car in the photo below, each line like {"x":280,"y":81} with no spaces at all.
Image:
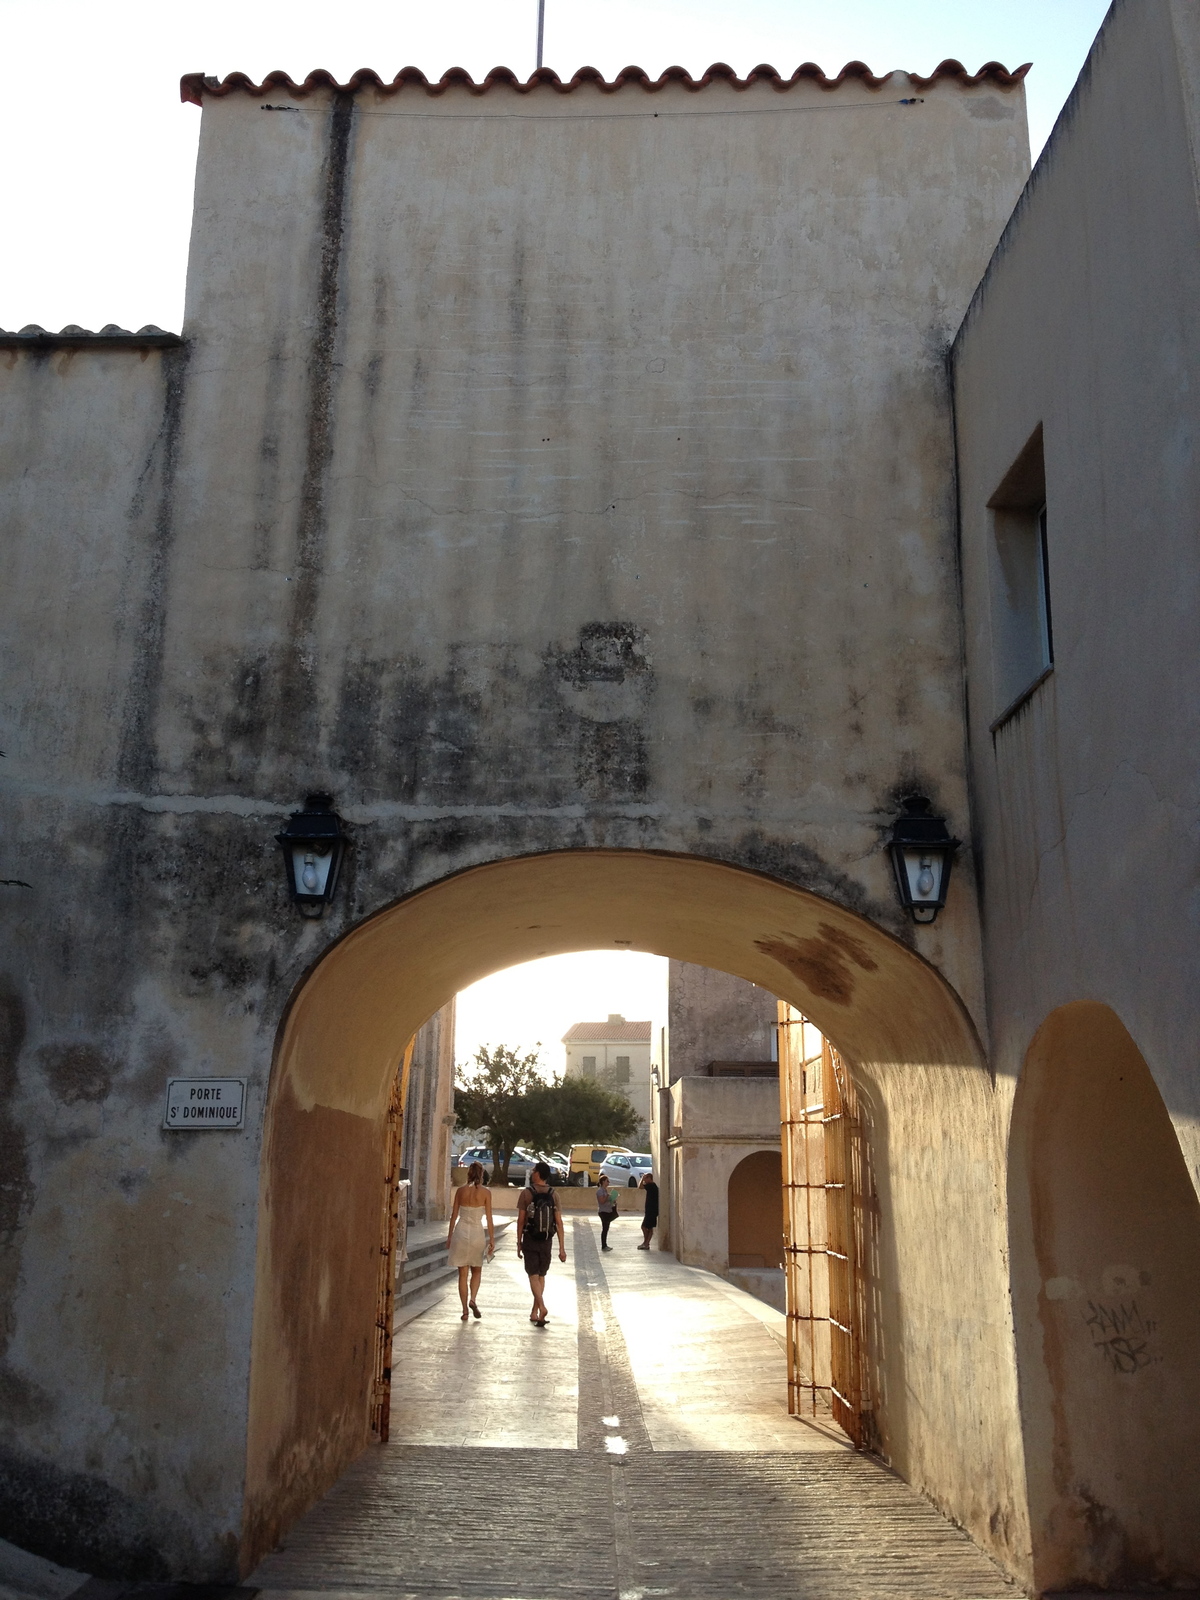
{"x":628,"y":1169}
{"x":560,"y":1166}
{"x":519,"y":1164}
{"x":587,"y":1159}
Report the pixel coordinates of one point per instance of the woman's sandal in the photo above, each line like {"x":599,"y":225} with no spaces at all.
{"x":465,"y":1316}
{"x":476,"y":1309}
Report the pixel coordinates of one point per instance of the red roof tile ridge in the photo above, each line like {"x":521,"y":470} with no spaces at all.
{"x":193,"y":86}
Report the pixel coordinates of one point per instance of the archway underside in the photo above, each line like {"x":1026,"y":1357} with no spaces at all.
{"x":890,"y":1013}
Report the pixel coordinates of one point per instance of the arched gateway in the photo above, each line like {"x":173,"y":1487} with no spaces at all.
{"x":915,"y":1053}
{"x":563,"y":476}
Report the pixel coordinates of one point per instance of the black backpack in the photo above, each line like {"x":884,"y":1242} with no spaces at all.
{"x":540,"y":1216}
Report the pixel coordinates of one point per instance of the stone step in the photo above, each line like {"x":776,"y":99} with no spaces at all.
{"x":428,"y":1266}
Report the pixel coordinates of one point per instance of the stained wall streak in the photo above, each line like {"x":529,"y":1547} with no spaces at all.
{"x":627,"y":530}
{"x":297,"y":706}
{"x":136,"y":761}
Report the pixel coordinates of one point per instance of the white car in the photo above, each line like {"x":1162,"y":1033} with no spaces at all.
{"x":627,"y":1170}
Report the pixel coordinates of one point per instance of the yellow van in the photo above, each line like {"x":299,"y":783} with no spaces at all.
{"x":586,"y":1160}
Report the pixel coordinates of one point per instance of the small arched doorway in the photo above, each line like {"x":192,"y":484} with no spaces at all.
{"x":755,"y":1200}
{"x":1105,"y":1228}
{"x":892,"y":1015}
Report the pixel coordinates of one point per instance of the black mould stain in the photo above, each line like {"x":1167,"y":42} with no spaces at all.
{"x":136,"y":761}
{"x":607,"y":652}
{"x":603,"y":687}
{"x":16,"y":1187}
{"x":297,"y":709}
{"x":23,"y":1402}
{"x":611,"y":761}
{"x":77,"y":1072}
{"x":498,"y":724}
{"x":77,"y":1520}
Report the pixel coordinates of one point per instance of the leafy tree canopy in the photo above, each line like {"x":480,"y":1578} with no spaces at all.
{"x":571,"y":1111}
{"x":491,"y":1098}
{"x":503,"y":1095}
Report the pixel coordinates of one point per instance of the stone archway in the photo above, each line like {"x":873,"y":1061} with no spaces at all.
{"x":755,"y":1212}
{"x":944,"y":1420}
{"x":1105,"y":1229}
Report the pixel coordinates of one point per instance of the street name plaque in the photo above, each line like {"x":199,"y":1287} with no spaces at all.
{"x":205,"y":1102}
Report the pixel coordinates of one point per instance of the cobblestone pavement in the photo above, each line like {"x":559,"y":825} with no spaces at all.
{"x":638,"y":1447}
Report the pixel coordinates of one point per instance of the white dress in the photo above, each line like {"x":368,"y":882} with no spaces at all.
{"x":469,"y":1244}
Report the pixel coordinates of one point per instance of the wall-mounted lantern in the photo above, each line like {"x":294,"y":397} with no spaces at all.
{"x":313,"y":845}
{"x":922,"y":853}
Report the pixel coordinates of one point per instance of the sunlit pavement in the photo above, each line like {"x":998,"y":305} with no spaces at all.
{"x":637,"y":1446}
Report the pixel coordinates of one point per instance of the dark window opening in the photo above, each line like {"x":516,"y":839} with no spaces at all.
{"x":1022,"y":636}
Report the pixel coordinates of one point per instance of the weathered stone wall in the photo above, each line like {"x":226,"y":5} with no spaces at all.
{"x":715,"y":1124}
{"x":1087,"y":324}
{"x":713,"y":1016}
{"x":541,"y":472}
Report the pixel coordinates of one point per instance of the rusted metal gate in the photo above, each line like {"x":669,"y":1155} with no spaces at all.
{"x":381,"y":1392}
{"x":824,"y":1227}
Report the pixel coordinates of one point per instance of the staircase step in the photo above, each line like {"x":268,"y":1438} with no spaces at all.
{"x":428,"y":1268}
{"x":410,"y":1288}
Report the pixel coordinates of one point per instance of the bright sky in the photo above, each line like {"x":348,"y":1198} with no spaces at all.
{"x":541,"y":1000}
{"x":99,"y":154}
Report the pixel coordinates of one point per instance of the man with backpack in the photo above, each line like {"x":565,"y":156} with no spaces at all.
{"x":539,"y":1218}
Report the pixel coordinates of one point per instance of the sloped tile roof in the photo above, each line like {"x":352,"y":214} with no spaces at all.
{"x":609,"y":1032}
{"x":193,"y":86}
{"x":73,"y":337}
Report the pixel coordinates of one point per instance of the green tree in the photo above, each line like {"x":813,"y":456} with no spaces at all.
{"x":492,"y":1096}
{"x":570,"y":1111}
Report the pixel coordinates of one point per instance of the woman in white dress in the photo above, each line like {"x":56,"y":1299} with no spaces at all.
{"x":472,"y":1206}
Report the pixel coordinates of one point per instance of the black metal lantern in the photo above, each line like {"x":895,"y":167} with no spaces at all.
{"x":922,"y":853}
{"x":313,"y":845}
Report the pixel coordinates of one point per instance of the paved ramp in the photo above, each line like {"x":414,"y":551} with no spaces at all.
{"x":638,"y":1447}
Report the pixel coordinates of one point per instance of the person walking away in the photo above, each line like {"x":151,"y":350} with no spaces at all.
{"x":650,"y":1214}
{"x":606,"y":1205}
{"x":464,"y":1238}
{"x":539,"y":1218}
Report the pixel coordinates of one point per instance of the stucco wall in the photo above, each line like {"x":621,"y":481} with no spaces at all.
{"x":1088,"y":323}
{"x":713,"y":1016}
{"x":542,"y":471}
{"x":715,"y":1124}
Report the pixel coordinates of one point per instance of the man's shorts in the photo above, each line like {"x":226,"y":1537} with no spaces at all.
{"x":537,"y":1256}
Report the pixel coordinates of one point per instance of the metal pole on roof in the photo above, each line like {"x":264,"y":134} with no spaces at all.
{"x":541,"y":30}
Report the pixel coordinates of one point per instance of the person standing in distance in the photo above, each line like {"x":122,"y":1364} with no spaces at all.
{"x":606,"y":1205}
{"x":650,"y":1215}
{"x":539,"y":1218}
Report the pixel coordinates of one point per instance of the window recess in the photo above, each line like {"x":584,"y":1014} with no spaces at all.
{"x":1019,"y":561}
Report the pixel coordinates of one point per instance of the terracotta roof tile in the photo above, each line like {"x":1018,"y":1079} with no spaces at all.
{"x":194,"y":85}
{"x":73,"y":337}
{"x":625,"y":1032}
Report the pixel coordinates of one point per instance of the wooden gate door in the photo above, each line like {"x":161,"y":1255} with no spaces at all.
{"x":823,"y":1227}
{"x":381,"y":1392}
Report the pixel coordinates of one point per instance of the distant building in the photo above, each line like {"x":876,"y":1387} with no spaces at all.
{"x":616,"y":1054}
{"x":716,"y":1146}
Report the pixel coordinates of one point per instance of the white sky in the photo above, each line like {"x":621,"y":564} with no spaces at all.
{"x":99,"y":154}
{"x":541,"y":999}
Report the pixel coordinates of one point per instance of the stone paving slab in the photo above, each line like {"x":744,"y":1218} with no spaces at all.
{"x":638,"y":1447}
{"x":424,"y":1521}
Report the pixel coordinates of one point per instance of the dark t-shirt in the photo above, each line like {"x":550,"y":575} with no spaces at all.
{"x":650,"y":1215}
{"x":526,"y":1198}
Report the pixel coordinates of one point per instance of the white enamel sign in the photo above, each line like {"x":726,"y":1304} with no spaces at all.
{"x":205,"y":1102}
